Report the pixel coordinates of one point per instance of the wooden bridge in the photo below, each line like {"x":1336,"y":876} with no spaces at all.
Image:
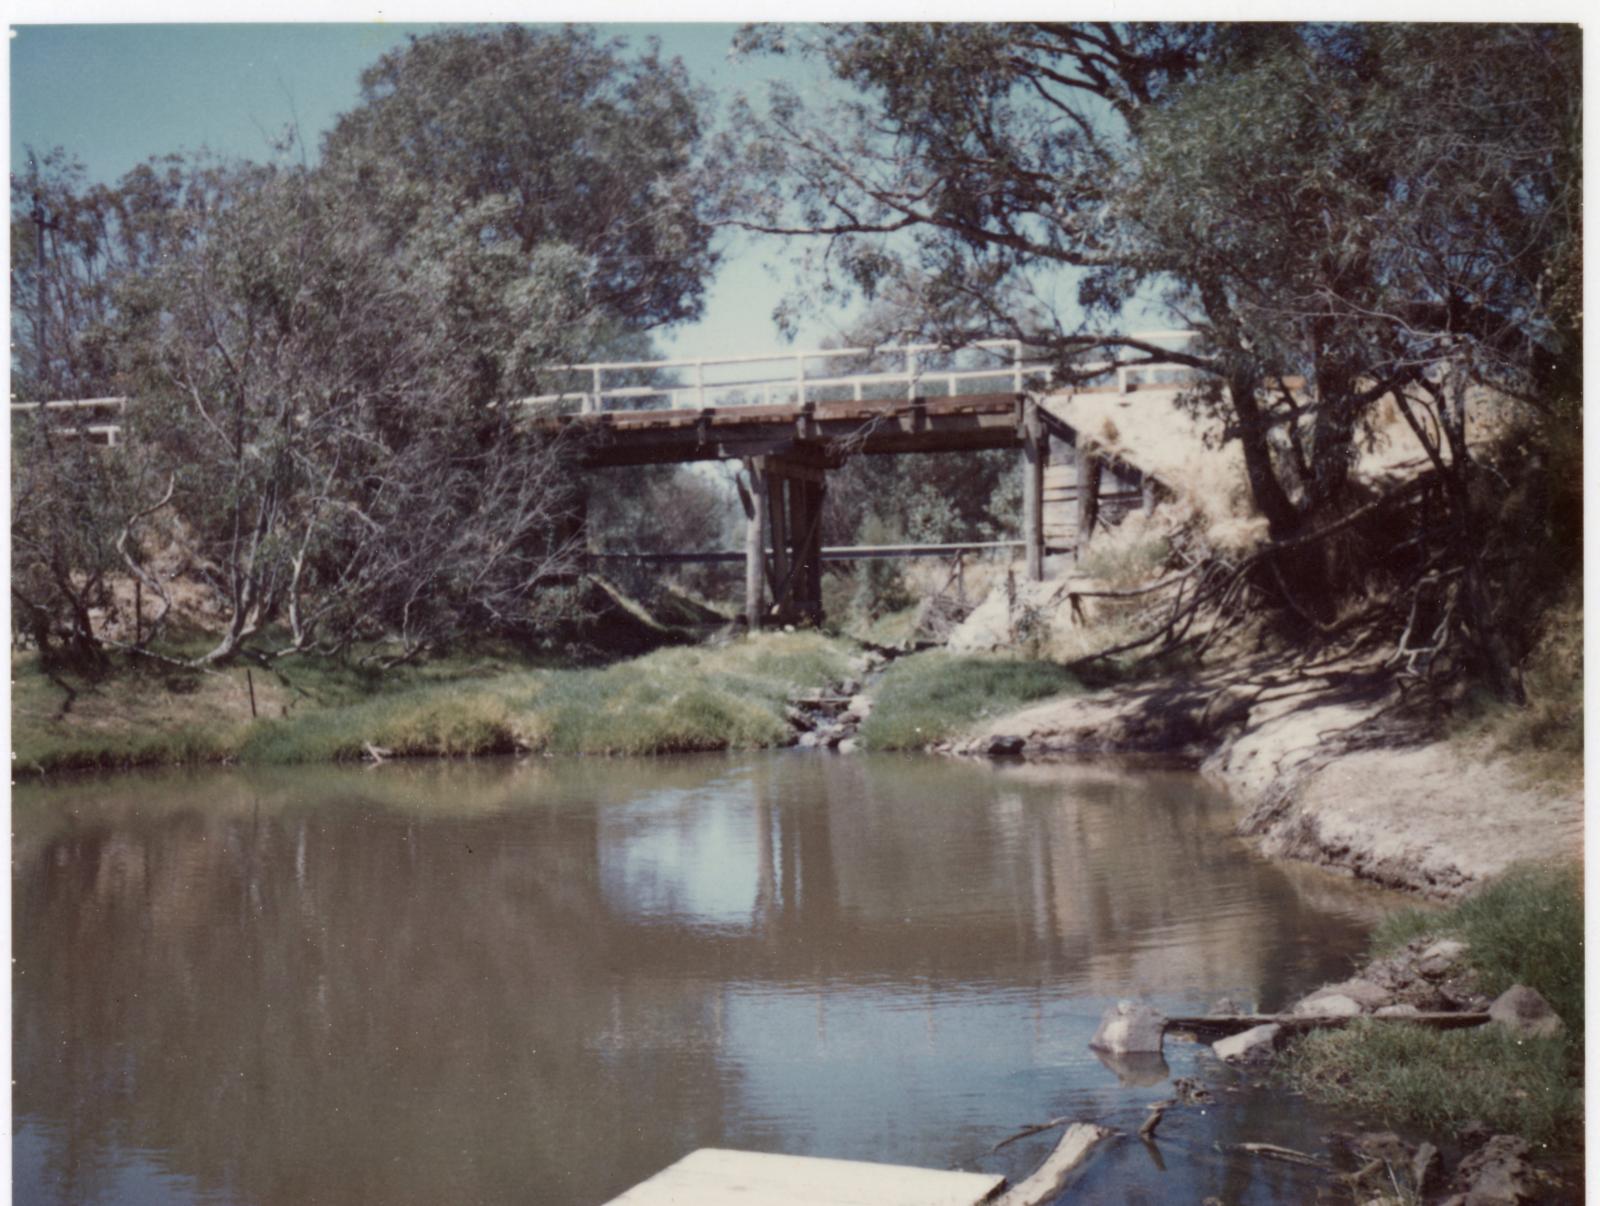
{"x":889,"y":401}
{"x":790,"y":426}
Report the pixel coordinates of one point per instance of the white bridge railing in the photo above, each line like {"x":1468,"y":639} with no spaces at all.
{"x":108,"y":428}
{"x":895,"y":371}
{"x":899,"y":370}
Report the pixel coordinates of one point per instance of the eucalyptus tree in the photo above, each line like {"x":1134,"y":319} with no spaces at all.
{"x":541,"y":139}
{"x":1249,"y":174}
{"x":1388,"y":212}
{"x":326,"y":357}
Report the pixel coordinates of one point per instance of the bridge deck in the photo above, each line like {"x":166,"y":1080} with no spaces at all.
{"x":644,"y":437}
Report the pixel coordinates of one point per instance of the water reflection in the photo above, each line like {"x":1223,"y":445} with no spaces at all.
{"x":544,"y":981}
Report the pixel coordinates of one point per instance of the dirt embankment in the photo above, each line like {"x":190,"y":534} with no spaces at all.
{"x":1323,"y":769}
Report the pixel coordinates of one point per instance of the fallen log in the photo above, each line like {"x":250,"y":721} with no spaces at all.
{"x":1271,"y":1151}
{"x":1029,"y":1130}
{"x":1045,"y":1184}
{"x":1237,"y":1023}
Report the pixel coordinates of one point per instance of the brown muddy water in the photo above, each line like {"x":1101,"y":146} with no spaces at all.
{"x":542,"y":981}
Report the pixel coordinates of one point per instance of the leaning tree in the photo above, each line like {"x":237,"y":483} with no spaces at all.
{"x":1390,"y":213}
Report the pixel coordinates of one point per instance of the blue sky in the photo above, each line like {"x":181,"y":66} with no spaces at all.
{"x":116,"y":94}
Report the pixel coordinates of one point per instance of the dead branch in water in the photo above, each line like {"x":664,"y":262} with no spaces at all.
{"x":1046,"y":1182}
{"x":1158,"y":1111}
{"x":1271,"y":1151}
{"x":1029,"y":1130}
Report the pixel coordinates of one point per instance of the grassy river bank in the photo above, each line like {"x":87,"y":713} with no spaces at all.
{"x":672,"y":700}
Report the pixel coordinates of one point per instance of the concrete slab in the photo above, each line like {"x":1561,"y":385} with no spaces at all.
{"x":714,"y":1176}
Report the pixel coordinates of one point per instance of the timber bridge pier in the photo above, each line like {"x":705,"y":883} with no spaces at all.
{"x":790,"y":426}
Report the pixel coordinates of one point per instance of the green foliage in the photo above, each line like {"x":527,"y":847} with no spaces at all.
{"x":1436,"y":1079}
{"x":650,"y":508}
{"x":879,"y":586}
{"x":1524,"y":928}
{"x":928,"y":697}
{"x":543,"y":139}
{"x":928,"y":499}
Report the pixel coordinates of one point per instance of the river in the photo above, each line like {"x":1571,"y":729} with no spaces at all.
{"x":545,"y":980}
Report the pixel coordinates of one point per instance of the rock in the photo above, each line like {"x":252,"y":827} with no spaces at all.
{"x":1424,"y":1167}
{"x":850,"y":686}
{"x":1524,"y":1012}
{"x":809,"y":741}
{"x":1472,"y":1134}
{"x":1363,"y":992}
{"x":1497,"y":1174}
{"x":861,"y":704}
{"x":1253,"y":1044}
{"x":1002,"y":746}
{"x":1225,"y":1007}
{"x":850,"y":746}
{"x":796,"y":718}
{"x":1129,"y":1027}
{"x":1440,"y":958}
{"x":833,"y":735}
{"x":1403,"y":1010}
{"x":1191,"y":1092}
{"x":1327,"y":1005}
{"x":1463,"y":995}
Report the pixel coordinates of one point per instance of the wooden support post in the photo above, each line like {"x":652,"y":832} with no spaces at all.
{"x":813,"y":561}
{"x":1089,"y":467}
{"x":777,"y":520}
{"x":755,"y":538}
{"x":1034,"y":454}
{"x":800,"y":526}
{"x":1147,"y":493}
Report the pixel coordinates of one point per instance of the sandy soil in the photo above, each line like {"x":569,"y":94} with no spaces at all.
{"x":1323,"y":771}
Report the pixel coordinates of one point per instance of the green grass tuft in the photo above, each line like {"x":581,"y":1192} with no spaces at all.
{"x":1441,"y":1079}
{"x":932,"y":696}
